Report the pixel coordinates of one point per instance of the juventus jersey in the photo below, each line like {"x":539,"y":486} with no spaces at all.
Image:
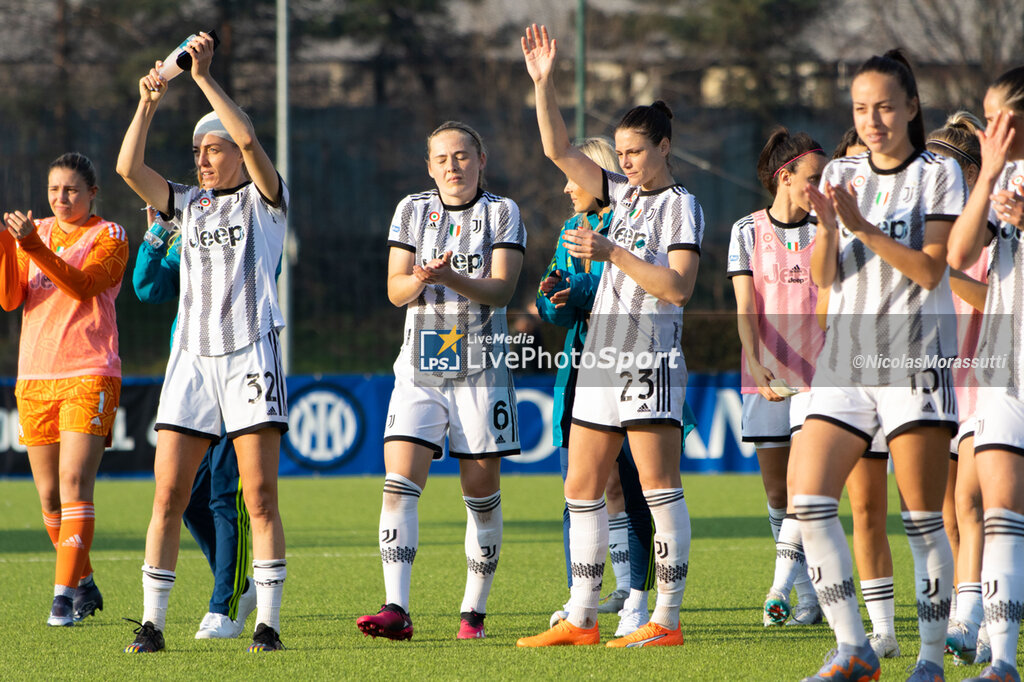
{"x":875,"y":311}
{"x":795,"y":236}
{"x":1003,"y":323}
{"x":231,"y":243}
{"x":649,"y":225}
{"x":428,"y":228}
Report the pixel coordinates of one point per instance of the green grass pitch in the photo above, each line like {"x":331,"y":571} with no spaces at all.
{"x":334,"y":576}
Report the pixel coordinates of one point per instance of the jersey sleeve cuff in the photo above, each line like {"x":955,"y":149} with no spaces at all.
{"x":509,"y":245}
{"x":940,"y":216}
{"x":402,"y":245}
{"x":735,"y":273}
{"x":684,"y":247}
{"x":994,"y":229}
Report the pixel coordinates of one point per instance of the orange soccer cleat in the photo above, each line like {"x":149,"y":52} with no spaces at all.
{"x":562,"y":633}
{"x":651,"y":634}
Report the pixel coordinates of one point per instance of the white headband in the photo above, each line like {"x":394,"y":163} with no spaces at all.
{"x":211,"y":125}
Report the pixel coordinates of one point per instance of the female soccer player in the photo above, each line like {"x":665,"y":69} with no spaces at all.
{"x":224,"y":371}
{"x":958,"y":140}
{"x":216,"y":514}
{"x":565,"y":298}
{"x":884,"y":218}
{"x":994,"y":216}
{"x":456,"y":252}
{"x":769,"y":265}
{"x":67,"y":271}
{"x":651,"y":266}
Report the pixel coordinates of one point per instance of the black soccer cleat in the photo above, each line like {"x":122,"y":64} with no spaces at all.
{"x":265,"y":639}
{"x":61,"y":613}
{"x":147,"y":638}
{"x":87,"y":601}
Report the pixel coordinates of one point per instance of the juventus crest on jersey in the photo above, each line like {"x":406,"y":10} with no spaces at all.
{"x":478,"y":333}
{"x":649,"y":225}
{"x":231,"y":244}
{"x":875,"y":311}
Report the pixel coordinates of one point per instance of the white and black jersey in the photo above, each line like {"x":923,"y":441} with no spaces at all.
{"x":875,"y":310}
{"x":649,"y":225}
{"x":231,"y":244}
{"x":796,"y":236}
{"x":1002,"y":327}
{"x":425,"y":226}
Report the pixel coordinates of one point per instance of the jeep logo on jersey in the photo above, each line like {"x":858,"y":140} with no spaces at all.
{"x":466,"y":263}
{"x":325,"y":427}
{"x":630,"y":238}
{"x":224,"y":236}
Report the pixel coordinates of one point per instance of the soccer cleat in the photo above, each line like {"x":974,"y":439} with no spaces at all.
{"x":147,"y":638}
{"x":631,"y":620}
{"x":265,"y":639}
{"x":471,"y":625}
{"x":996,"y":673}
{"x":561,"y":614}
{"x":884,"y":646}
{"x":805,"y":615}
{"x":61,"y":613}
{"x":926,"y":671}
{"x":87,"y":600}
{"x":218,"y":626}
{"x":962,"y":642}
{"x":849,"y":664}
{"x":984,"y":654}
{"x":391,"y":621}
{"x":613,"y":602}
{"x":563,"y":633}
{"x":651,"y":634}
{"x":776,"y":609}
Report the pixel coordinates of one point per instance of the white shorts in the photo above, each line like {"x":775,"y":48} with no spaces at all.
{"x":613,"y":400}
{"x":765,"y":423}
{"x":237,"y":393}
{"x":966,"y":431}
{"x":928,"y":400}
{"x":478,"y":414}
{"x":1002,"y":425}
{"x":800,"y":405}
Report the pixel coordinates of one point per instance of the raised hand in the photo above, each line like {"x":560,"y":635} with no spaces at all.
{"x":823,"y":207}
{"x":152,"y":86}
{"x":201,"y":49}
{"x":539,"y":52}
{"x":996,"y":140}
{"x":588,"y":244}
{"x":19,"y":224}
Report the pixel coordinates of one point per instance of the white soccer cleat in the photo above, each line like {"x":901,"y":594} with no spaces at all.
{"x":776,"y":609}
{"x":805,"y":615}
{"x":561,"y":614}
{"x":884,"y":646}
{"x":631,"y":620}
{"x":612,"y":603}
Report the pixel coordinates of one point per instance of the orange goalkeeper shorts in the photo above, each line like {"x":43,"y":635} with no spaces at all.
{"x":85,"y":404}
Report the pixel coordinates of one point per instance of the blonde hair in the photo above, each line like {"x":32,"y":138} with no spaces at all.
{"x":600,"y":151}
{"x":958,"y":136}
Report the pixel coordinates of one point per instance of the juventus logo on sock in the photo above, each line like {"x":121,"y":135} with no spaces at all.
{"x":991,"y":588}
{"x":661,"y":549}
{"x":931,"y":587}
{"x":815,"y":574}
{"x":389,"y":535}
{"x":489,"y":551}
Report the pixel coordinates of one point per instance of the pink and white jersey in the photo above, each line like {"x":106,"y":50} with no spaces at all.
{"x":784,"y":299}
{"x":968,"y":320}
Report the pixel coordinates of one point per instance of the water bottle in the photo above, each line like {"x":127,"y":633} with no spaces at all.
{"x":180,"y":60}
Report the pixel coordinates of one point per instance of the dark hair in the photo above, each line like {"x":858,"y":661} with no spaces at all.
{"x":780,"y":150}
{"x":79,"y":163}
{"x":894,"y":63}
{"x":462,"y":128}
{"x":1011,"y":84}
{"x":959,"y":136}
{"x":653,"y":121}
{"x":850,"y":138}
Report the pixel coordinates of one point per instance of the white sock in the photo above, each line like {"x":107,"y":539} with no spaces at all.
{"x":969,"y":608}
{"x":399,"y":536}
{"x":933,"y":576}
{"x":269,"y":575}
{"x":636,"y":601}
{"x":1002,"y":582}
{"x":830,"y":565}
{"x":789,"y":557}
{"x":618,"y":548}
{"x":880,"y":600}
{"x":953,"y":605}
{"x":671,"y":552}
{"x":483,"y":546}
{"x":775,"y":517}
{"x":156,"y":592}
{"x":588,"y":543}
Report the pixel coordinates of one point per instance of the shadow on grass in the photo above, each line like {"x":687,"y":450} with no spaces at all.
{"x":30,"y":541}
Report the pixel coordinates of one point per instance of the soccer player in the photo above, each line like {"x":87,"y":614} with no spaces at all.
{"x":994,"y":216}
{"x":224,"y":371}
{"x":455,"y":256}
{"x":651,"y":255}
{"x":883,"y":221}
{"x":769,"y":265}
{"x":216,"y":514}
{"x":67,"y":271}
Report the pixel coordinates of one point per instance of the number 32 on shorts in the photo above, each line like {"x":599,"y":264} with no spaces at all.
{"x":267,"y":389}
